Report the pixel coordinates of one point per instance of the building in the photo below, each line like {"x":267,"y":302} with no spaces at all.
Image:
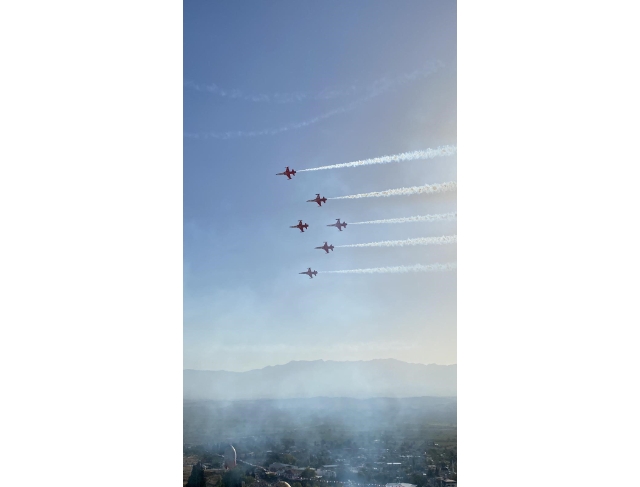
{"x":280,"y":467}
{"x":326,"y":473}
{"x":442,"y":482}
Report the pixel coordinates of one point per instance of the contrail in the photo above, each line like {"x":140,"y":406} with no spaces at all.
{"x":411,"y":241}
{"x":451,"y":266}
{"x":378,"y":86}
{"x":423,"y":218}
{"x":447,"y":150}
{"x":376,"y":90}
{"x":237,"y":94}
{"x":274,"y":131}
{"x":426,"y":189}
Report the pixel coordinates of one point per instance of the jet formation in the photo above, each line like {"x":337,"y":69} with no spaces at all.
{"x":342,"y":225}
{"x":303,"y":226}
{"x":337,"y":224}
{"x":326,"y":247}
{"x":318,"y":200}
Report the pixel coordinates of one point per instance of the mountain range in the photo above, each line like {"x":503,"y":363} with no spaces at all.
{"x":320,"y":378}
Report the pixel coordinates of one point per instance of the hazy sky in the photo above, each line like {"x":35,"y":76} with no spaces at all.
{"x":304,"y":84}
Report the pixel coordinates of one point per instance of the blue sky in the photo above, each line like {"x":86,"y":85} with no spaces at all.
{"x":306,"y":84}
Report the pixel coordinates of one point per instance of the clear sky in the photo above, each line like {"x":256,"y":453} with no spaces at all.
{"x":305,"y":84}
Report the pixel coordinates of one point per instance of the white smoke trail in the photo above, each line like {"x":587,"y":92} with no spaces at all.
{"x":451,"y":266}
{"x":274,"y":131}
{"x":423,"y":218}
{"x":409,"y":242}
{"x":426,"y":189}
{"x":375,"y":88}
{"x":447,"y":150}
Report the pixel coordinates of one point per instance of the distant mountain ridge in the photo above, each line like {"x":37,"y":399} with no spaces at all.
{"x":319,"y":378}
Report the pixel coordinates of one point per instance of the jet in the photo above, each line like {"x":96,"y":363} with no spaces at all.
{"x":309,"y":273}
{"x":326,"y":248}
{"x":300,"y":225}
{"x":337,"y":224}
{"x":287,"y":173}
{"x":318,"y":200}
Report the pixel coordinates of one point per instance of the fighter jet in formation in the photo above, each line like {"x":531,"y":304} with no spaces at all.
{"x":337,"y":224}
{"x":309,"y":273}
{"x":287,"y":173}
{"x":326,"y":248}
{"x":301,"y":226}
{"x":318,"y":200}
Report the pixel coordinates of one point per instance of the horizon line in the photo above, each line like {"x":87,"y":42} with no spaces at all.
{"x":318,"y":360}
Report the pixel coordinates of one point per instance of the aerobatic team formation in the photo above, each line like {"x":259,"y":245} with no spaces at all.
{"x":427,"y":188}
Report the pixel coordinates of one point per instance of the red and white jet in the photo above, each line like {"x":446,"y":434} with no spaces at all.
{"x":309,"y":273}
{"x":326,"y":248}
{"x":318,"y":200}
{"x":337,"y":224}
{"x":287,"y":173}
{"x":301,"y":226}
